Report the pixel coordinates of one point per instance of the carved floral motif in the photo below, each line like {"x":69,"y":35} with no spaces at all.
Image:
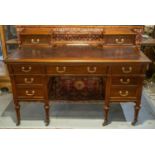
{"x":139,"y":33}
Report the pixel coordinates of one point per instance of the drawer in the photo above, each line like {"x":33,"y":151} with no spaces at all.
{"x":124,"y":80}
{"x":126,"y":69}
{"x":123,"y":91}
{"x":29,"y":92}
{"x":83,"y":69}
{"x":119,"y":39}
{"x":28,"y":79}
{"x":27,"y":69}
{"x":35,"y":39}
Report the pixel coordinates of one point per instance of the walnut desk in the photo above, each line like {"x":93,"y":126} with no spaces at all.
{"x":122,"y":67}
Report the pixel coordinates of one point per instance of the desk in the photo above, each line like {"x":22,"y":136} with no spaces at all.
{"x":122,"y":67}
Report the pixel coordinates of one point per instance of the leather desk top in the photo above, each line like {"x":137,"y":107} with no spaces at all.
{"x":78,"y":54}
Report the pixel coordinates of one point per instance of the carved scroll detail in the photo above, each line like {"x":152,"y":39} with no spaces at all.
{"x":19,"y":30}
{"x":139,"y":33}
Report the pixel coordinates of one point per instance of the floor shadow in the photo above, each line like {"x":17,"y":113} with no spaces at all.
{"x":66,"y":109}
{"x":146,"y":113}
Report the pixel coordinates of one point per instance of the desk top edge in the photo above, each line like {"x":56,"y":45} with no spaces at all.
{"x":78,"y":55}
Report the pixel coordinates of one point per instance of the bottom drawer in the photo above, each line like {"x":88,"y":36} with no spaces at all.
{"x":30,"y":92}
{"x":123,"y":92}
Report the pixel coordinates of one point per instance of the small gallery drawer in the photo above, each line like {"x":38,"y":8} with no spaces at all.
{"x":126,"y":69}
{"x":29,"y":92}
{"x":119,"y":39}
{"x":83,"y":69}
{"x":28,"y":79}
{"x":124,"y":80}
{"x":27,"y":69}
{"x":123,"y":91}
{"x":35,"y":39}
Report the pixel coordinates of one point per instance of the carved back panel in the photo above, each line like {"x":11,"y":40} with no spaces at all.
{"x":86,"y":35}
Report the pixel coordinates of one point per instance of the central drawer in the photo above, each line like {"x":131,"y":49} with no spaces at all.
{"x":29,"y":92}
{"x":83,"y":69}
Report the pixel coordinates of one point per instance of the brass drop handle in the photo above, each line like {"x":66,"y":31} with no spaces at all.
{"x":35,"y":42}
{"x":126,"y":93}
{"x":29,"y":81}
{"x":29,"y":94}
{"x":124,"y":70}
{"x":91,"y":69}
{"x":26,"y":70}
{"x":121,"y":41}
{"x":125,"y":82}
{"x":62,"y":70}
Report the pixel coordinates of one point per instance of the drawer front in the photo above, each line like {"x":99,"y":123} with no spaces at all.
{"x":124,"y":80}
{"x":35,"y":39}
{"x":28,"y":79}
{"x":89,"y":69}
{"x":27,"y":69}
{"x":30,"y":92}
{"x":123,"y":91}
{"x":120,"y":39}
{"x":126,"y":69}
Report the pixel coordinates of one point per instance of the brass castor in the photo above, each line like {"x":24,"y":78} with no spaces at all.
{"x":105,"y":123}
{"x":134,"y":122}
{"x":18,"y":123}
{"x":47,"y":123}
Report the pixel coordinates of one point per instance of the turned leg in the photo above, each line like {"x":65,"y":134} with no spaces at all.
{"x":107,"y":95}
{"x":137,"y":108}
{"x":47,"y":120}
{"x":17,"y":108}
{"x":106,"y":112}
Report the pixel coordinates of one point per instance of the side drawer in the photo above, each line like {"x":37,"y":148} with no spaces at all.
{"x":119,"y":39}
{"x":126,"y":69}
{"x":124,"y":80}
{"x":123,"y":92}
{"x":27,"y":92}
{"x":27,"y":69}
{"x":28,"y":79}
{"x":35,"y":39}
